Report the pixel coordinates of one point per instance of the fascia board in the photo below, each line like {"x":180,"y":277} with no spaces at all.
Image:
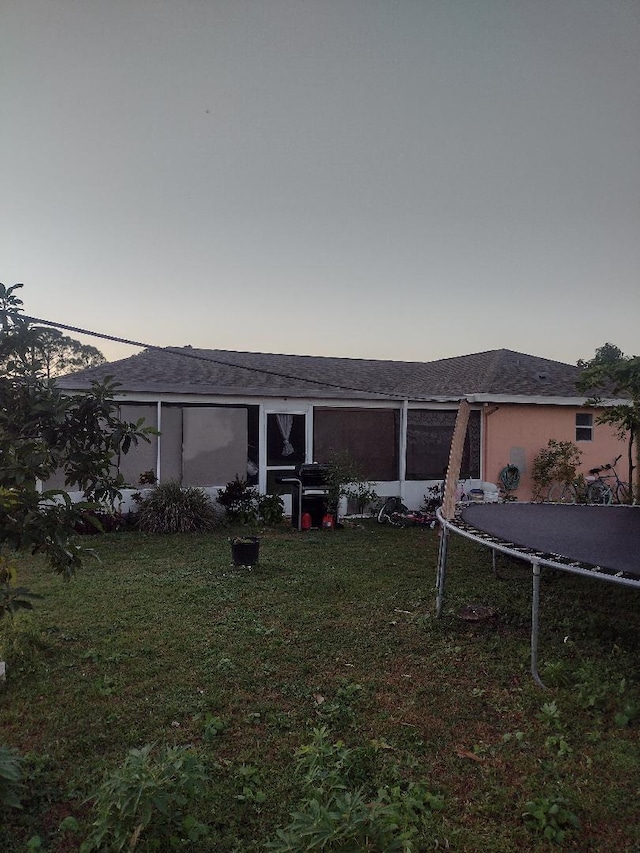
{"x":543,"y":401}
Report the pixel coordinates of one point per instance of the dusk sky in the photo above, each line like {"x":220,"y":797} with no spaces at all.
{"x":404,"y":179}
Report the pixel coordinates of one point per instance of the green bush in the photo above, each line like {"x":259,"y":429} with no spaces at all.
{"x":240,"y":501}
{"x":244,"y":505}
{"x":555,"y":463}
{"x":271,"y":509}
{"x":170,"y":508}
{"x":149,"y":798}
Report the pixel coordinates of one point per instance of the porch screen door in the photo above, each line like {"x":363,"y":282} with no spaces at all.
{"x":286,"y":446}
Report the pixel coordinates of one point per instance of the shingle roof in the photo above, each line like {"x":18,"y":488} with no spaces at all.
{"x":187,"y":370}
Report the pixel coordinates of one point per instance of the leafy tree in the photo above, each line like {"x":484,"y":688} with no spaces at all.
{"x":57,"y":354}
{"x":47,"y":351}
{"x":46,"y":432}
{"x":610,"y":373}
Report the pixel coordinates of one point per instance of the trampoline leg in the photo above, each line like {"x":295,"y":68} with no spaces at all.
{"x":442,"y":569}
{"x":535,"y":609}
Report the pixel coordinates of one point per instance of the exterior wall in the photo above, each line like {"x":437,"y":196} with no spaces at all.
{"x":514,"y":434}
{"x":510,"y":433}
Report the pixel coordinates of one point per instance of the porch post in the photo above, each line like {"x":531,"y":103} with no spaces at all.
{"x":159,"y":438}
{"x":442,"y":567}
{"x":535,"y":610}
{"x":402,"y":449}
{"x":262,"y":450}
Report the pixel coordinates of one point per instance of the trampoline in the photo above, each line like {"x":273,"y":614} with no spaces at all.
{"x":600,"y":542}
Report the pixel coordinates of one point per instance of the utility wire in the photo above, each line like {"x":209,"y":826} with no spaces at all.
{"x":199,"y":356}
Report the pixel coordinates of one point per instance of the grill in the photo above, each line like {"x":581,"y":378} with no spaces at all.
{"x":309,"y":492}
{"x":313,"y":475}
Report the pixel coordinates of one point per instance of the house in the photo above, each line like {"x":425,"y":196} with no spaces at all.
{"x":259,"y":415}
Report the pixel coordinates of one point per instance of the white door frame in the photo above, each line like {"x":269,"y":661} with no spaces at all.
{"x":284,"y":408}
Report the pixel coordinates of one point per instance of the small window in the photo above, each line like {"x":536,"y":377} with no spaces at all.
{"x":584,"y":427}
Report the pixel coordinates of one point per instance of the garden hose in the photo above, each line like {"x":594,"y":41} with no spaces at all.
{"x":510,"y":477}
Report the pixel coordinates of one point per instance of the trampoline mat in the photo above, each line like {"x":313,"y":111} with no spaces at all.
{"x":605,"y":536}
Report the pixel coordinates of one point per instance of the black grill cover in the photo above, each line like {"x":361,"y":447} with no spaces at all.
{"x":313,"y":474}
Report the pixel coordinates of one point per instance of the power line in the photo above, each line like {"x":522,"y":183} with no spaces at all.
{"x":198,"y":356}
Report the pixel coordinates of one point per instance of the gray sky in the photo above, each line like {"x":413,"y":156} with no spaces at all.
{"x":406,"y":179}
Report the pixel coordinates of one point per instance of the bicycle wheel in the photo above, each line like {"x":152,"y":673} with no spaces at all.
{"x":390,"y":508}
{"x":385,"y":511}
{"x":562,"y":493}
{"x":599,"y":493}
{"x":568,"y":495}
{"x":623,"y":493}
{"x":555,"y":490}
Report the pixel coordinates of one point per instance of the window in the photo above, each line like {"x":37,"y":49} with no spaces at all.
{"x":584,"y":427}
{"x":369,"y":435}
{"x":429,"y":434}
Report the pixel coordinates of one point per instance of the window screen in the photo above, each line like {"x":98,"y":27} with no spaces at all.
{"x":369,"y":435}
{"x":429,"y":435}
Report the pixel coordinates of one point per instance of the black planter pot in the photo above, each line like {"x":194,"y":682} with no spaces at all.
{"x":245,"y":552}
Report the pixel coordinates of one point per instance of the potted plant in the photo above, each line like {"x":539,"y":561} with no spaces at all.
{"x":245,"y":550}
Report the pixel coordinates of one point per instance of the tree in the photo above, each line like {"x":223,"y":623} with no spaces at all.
{"x":50,"y":353}
{"x":45,"y":432}
{"x":614,"y":374}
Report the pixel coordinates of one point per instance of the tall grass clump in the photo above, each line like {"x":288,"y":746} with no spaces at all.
{"x":170,"y":508}
{"x":148,"y":799}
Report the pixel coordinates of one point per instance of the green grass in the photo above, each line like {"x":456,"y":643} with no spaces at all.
{"x":163,"y":641}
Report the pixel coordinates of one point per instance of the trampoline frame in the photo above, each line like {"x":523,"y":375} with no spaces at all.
{"x":536,"y":558}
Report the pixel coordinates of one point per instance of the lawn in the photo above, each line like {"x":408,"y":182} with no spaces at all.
{"x":162,"y":641}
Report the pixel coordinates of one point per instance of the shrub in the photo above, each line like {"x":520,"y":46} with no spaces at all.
{"x":98,"y":521}
{"x":433,"y":500}
{"x":271,"y":509}
{"x":362,"y":493}
{"x":555,"y":463}
{"x":173,"y":509}
{"x":240,"y":501}
{"x":345,"y":479}
{"x":149,"y":796}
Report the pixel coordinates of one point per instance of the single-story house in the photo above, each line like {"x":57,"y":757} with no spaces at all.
{"x":259,"y":415}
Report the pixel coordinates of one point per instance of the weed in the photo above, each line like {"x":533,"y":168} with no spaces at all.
{"x":550,"y":817}
{"x":147,"y":797}
{"x":213,"y":726}
{"x":250,"y":784}
{"x":334,"y":816}
{"x":339,"y":710}
{"x":557,"y":742}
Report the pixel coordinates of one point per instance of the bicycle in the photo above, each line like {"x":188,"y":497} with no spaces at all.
{"x":593,"y":489}
{"x":616,"y":492}
{"x":395,"y":513}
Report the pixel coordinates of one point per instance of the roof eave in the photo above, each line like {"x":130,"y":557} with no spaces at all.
{"x":540,"y":400}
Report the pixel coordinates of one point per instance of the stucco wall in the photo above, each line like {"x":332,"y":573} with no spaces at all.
{"x":516,"y":433}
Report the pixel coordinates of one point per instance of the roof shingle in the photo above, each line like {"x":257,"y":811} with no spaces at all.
{"x":187,"y":370}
